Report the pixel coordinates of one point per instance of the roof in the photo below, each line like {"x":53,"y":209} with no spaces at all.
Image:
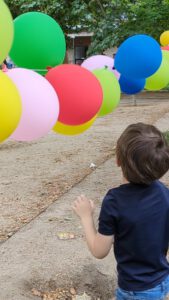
{"x":80,"y":34}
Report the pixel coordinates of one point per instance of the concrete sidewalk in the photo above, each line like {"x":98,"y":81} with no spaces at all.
{"x":35,"y":258}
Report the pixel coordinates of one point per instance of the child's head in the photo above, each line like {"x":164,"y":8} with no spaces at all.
{"x":142,"y":153}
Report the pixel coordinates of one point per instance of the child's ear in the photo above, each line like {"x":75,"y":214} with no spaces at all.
{"x":117,"y":162}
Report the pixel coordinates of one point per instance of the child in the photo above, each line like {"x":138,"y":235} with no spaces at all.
{"x":137,"y":214}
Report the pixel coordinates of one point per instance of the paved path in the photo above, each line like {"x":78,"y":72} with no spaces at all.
{"x":35,"y":258}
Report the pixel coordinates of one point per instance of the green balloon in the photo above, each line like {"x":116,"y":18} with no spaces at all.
{"x":166,"y":54}
{"x":39,"y":42}
{"x":6,"y":31}
{"x":160,"y":79}
{"x":111,"y":90}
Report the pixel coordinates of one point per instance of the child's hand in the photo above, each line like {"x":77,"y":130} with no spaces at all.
{"x":83,"y":207}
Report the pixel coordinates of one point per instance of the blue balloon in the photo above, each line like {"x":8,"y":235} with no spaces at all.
{"x":139,"y":56}
{"x":131,"y":86}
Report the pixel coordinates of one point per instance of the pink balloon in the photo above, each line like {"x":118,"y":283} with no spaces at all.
{"x":99,"y":62}
{"x":40,"y":105}
{"x":117,"y":74}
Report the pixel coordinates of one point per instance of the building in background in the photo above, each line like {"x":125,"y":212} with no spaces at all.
{"x":80,"y":44}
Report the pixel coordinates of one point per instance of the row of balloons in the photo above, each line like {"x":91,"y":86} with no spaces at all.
{"x":143,"y":64}
{"x":69,"y":98}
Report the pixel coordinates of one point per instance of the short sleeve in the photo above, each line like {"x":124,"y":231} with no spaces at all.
{"x":108,"y":215}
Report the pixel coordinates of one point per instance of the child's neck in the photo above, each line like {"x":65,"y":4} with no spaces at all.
{"x":124,"y":180}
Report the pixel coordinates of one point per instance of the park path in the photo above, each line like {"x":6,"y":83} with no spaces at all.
{"x":35,"y":257}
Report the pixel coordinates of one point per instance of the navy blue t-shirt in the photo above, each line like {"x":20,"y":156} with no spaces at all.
{"x":138,"y":217}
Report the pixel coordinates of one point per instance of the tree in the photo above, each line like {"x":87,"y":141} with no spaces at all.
{"x":122,"y":19}
{"x":111,"y":21}
{"x":71,"y":15}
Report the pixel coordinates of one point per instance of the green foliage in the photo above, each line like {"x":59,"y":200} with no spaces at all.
{"x":125,"y":18}
{"x":111,"y":21}
{"x":69,"y":14}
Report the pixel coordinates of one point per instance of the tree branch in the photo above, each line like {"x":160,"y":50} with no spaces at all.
{"x":101,"y":6}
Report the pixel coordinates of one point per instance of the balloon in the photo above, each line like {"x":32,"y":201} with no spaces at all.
{"x":80,"y":94}
{"x":10,"y":107}
{"x":111,"y":90}
{"x":160,"y":79}
{"x":116,"y":73}
{"x":40,"y":105}
{"x":99,"y":62}
{"x":73,"y":130}
{"x":164,"y":38}
{"x":6,"y":31}
{"x":131,"y":86}
{"x":39,"y":42}
{"x":165,"y":54}
{"x":138,"y":57}
{"x":165,"y":48}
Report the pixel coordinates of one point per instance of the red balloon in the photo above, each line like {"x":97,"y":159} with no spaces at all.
{"x":80,"y":93}
{"x":165,"y":48}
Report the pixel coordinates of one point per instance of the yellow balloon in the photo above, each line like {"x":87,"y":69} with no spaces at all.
{"x":164,"y":38}
{"x":73,"y":130}
{"x":160,"y":78}
{"x":6,"y":31}
{"x":10,"y":106}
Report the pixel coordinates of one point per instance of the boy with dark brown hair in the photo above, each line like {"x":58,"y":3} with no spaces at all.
{"x":137,"y":214}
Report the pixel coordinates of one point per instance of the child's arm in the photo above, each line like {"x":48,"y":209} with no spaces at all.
{"x":99,"y":245}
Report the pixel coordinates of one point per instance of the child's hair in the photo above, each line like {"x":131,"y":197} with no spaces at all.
{"x":142,"y":153}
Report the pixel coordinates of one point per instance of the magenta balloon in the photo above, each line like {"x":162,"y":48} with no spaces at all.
{"x":117,"y":74}
{"x":100,"y":62}
{"x":40,"y":105}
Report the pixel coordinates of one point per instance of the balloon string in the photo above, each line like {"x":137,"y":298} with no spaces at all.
{"x":37,"y":70}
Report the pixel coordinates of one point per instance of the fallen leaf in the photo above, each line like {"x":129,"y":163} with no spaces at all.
{"x":73,"y":291}
{"x":65,"y":236}
{"x":10,"y":234}
{"x":59,"y":293}
{"x":67,"y":219}
{"x":83,"y":297}
{"x":36,"y":293}
{"x":92,"y":166}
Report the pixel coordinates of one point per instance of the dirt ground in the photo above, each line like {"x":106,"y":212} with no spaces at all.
{"x":55,"y":170}
{"x":34,"y":175}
